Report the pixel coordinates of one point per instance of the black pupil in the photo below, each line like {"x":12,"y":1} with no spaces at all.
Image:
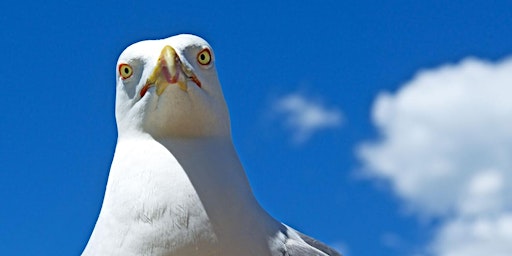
{"x":126,"y":70}
{"x":203,"y":57}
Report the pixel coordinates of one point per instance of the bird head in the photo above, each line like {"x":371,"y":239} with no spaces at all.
{"x":170,"y":88}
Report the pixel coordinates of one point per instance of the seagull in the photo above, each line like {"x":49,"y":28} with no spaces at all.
{"x":176,"y":185}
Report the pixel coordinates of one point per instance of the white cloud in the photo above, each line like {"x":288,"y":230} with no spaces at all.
{"x":446,"y":149}
{"x":475,"y":237}
{"x":305,"y":116}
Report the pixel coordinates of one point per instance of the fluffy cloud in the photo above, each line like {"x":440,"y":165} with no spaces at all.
{"x":485,"y":235}
{"x":305,"y":116}
{"x":446,"y":149}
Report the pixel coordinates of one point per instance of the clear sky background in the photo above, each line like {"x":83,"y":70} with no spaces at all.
{"x":379,"y":127}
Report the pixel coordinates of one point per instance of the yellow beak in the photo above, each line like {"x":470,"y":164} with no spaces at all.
{"x":168,"y":70}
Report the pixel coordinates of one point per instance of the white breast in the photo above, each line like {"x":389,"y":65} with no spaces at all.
{"x":150,"y":206}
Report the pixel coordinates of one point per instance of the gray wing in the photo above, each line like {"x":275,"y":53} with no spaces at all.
{"x":319,"y":245}
{"x":298,"y":244}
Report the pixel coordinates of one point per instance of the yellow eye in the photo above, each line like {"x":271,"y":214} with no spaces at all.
{"x":125,"y":70}
{"x":204,"y":57}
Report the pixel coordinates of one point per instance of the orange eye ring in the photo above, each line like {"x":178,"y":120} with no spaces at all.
{"x":204,"y":57}
{"x":125,"y":71}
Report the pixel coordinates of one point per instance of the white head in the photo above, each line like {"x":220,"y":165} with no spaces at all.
{"x":169,"y":88}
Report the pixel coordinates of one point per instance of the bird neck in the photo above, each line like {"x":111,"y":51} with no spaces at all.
{"x":212,"y":165}
{"x":215,"y":171}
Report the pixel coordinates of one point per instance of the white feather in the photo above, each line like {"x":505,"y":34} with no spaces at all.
{"x":176,"y":185}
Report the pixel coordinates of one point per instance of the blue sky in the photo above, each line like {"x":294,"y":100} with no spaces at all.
{"x":378,"y":128}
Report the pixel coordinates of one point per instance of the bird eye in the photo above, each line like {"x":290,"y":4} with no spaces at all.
{"x":204,"y":57}
{"x":125,"y":70}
